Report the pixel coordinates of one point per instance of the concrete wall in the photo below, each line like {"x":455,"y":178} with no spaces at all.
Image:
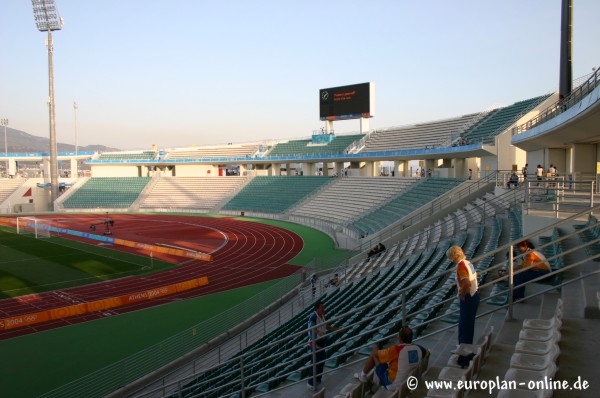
{"x":39,"y":200}
{"x":196,"y":170}
{"x":115,"y":170}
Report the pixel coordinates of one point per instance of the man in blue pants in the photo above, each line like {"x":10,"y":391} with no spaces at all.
{"x":466,"y":282}
{"x":317,"y":329}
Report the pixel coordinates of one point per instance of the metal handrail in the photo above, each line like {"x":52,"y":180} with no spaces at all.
{"x":562,"y":104}
{"x":124,"y":371}
{"x":466,"y":188}
{"x":402,"y":308}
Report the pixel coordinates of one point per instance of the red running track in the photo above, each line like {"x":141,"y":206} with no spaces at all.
{"x":244,"y":253}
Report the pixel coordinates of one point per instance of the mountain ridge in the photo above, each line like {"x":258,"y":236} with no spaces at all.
{"x":21,"y":142}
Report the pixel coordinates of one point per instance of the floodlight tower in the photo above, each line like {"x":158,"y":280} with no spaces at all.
{"x":47,"y":19}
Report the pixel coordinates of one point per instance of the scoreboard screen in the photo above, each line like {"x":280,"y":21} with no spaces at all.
{"x":346,"y":102}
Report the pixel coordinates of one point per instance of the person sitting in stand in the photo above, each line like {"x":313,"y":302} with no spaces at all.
{"x":376,"y":250}
{"x":335,"y":281}
{"x":534,"y":264}
{"x":513,"y":180}
{"x":394,"y":364}
{"x":373,"y":252}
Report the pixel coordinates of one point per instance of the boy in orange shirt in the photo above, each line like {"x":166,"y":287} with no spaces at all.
{"x":533,"y":264}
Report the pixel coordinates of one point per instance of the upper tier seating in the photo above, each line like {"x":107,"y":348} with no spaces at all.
{"x":107,"y":192}
{"x":417,"y":136}
{"x":191,"y":192}
{"x":498,"y":120}
{"x":404,"y":204}
{"x":304,"y":148}
{"x":146,"y":155}
{"x":227,"y":151}
{"x":346,"y":198}
{"x":274,"y":194}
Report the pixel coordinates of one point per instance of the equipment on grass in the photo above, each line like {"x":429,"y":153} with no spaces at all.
{"x":38,"y":227}
{"x":109,"y":222}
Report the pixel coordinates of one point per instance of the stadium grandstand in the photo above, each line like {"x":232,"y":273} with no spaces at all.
{"x":189,"y":316}
{"x":345,"y":192}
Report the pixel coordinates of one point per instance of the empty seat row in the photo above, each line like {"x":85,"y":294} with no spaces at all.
{"x":535,"y":357}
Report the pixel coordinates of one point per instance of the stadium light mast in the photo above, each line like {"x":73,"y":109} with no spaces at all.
{"x":47,"y":19}
{"x":565,"y":84}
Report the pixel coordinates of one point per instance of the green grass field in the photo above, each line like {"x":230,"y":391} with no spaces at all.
{"x":30,"y":265}
{"x":40,"y":362}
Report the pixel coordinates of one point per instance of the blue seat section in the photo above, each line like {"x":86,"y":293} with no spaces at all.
{"x":337,"y":146}
{"x":498,"y":120}
{"x":405,"y":203}
{"x":551,"y":247}
{"x":275,"y":194}
{"x":267,"y":365}
{"x":107,"y":192}
{"x":499,"y":294}
{"x":590,"y":234}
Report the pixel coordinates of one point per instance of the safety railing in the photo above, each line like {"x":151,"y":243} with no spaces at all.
{"x":251,"y":371}
{"x":561,"y":105}
{"x":435,"y":206}
{"x":106,"y":380}
{"x":559,"y":195}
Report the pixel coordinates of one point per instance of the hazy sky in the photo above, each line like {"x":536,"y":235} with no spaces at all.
{"x":182,"y":72}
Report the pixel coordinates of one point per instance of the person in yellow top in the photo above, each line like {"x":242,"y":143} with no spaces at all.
{"x":532,"y":265}
{"x":393,"y":364}
{"x":468,"y":292}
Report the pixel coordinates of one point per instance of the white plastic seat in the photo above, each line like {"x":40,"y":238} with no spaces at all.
{"x":351,"y":390}
{"x":424,"y":364}
{"x":450,"y":373}
{"x":486,"y":344}
{"x":535,"y":347}
{"x":383,"y":393}
{"x":543,"y":324}
{"x":401,"y":391}
{"x":444,"y":393}
{"x":533,"y":362}
{"x":547,"y":323}
{"x":517,"y":393}
{"x":523,"y":376}
{"x":453,"y":360}
{"x":320,"y":393}
{"x":540,"y":335}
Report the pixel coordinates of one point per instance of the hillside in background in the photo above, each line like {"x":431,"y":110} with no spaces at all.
{"x":22,"y":142}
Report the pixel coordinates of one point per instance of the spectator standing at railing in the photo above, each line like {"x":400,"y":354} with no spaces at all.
{"x":317,"y":335}
{"x":539,"y":172}
{"x":468,"y":293}
{"x":524,"y":172}
{"x":313,"y":285}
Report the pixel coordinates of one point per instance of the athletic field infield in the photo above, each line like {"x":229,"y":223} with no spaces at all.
{"x":248,"y":256}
